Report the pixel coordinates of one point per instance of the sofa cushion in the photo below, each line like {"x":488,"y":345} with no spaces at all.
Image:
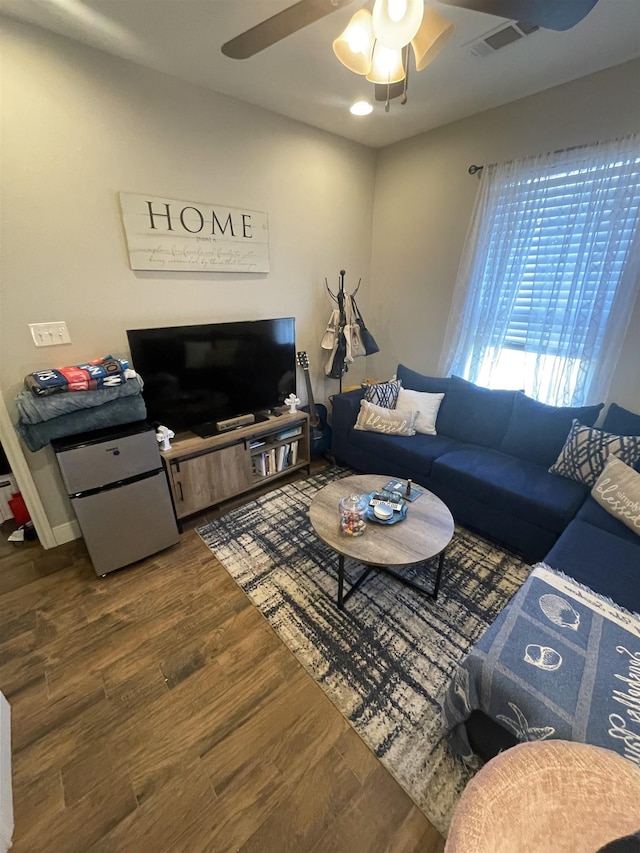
{"x":513,"y":486}
{"x":383,"y":393}
{"x":537,"y":432}
{"x":474,"y":414}
{"x":621,"y":421}
{"x":592,"y":513}
{"x":425,"y":404}
{"x":604,"y":562}
{"x":419,"y":382}
{"x":587,"y":449}
{"x":380,"y":419}
{"x":617,"y":490}
{"x":411,"y":453}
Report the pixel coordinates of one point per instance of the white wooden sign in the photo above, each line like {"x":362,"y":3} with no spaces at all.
{"x":167,"y":234}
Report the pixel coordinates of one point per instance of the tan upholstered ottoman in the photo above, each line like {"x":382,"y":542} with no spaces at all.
{"x":547,"y":797}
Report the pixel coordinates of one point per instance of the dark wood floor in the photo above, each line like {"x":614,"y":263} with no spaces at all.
{"x":156,"y":710}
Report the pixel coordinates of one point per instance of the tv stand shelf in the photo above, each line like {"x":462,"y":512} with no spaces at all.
{"x":205,"y":472}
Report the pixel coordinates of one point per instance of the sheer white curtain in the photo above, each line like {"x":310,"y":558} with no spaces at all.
{"x":549,"y":273}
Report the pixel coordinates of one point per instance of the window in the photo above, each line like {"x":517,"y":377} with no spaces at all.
{"x":549,"y":273}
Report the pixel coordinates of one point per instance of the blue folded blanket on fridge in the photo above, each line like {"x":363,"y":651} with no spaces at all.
{"x":120,"y":411}
{"x":34,"y":410}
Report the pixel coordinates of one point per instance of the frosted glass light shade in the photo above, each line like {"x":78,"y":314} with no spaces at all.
{"x":355,"y":46}
{"x":395,"y":22}
{"x":386,"y":65}
{"x":433,"y":34}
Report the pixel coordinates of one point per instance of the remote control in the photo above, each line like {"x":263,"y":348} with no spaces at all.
{"x":379,"y":499}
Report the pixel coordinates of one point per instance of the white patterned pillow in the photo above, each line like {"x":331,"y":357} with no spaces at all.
{"x":427,"y":406}
{"x":383,"y":393}
{"x":379,"y":419}
{"x":587,"y":449}
{"x":617,"y":489}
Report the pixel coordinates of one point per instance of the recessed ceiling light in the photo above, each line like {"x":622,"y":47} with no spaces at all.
{"x":361,"y":108}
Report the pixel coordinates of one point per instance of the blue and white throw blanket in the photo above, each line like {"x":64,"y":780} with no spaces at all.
{"x":558,"y":662}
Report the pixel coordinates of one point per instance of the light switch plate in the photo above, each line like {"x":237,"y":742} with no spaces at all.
{"x":50,"y":334}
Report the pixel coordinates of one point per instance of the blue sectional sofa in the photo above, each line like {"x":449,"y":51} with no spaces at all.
{"x":489,"y":462}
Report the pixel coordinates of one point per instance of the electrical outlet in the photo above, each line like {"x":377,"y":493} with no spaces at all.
{"x":50,"y":334}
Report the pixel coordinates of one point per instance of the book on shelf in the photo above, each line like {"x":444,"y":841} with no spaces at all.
{"x":274,"y":459}
{"x":281,"y":456}
{"x":289,"y":433}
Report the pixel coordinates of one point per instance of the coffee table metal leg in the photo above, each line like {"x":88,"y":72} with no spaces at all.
{"x":340,"y":582}
{"x":436,"y":585}
{"x":342,"y":596}
{"x":431,"y":593}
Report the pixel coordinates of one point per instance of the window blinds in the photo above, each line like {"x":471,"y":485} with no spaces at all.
{"x":549,"y":273}
{"x":570,"y":232}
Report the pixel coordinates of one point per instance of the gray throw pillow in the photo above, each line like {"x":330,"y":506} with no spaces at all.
{"x":617,"y":489}
{"x":587,"y":449}
{"x":379,"y":419}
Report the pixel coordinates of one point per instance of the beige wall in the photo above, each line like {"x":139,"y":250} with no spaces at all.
{"x":423,"y":201}
{"x":77,"y":127}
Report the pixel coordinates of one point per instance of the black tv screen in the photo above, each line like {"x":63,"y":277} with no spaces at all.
{"x":196,"y":375}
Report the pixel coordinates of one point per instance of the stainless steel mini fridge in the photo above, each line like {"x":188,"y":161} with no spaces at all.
{"x":119,"y":492}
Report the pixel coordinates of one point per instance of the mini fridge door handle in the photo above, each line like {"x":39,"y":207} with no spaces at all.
{"x":116,"y":485}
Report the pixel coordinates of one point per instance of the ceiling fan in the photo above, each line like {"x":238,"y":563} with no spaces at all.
{"x":279,"y":26}
{"x":549,"y":14}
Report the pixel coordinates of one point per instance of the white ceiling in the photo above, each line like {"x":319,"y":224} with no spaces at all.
{"x":299,"y":76}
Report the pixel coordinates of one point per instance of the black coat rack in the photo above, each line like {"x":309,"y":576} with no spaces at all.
{"x":339,"y":365}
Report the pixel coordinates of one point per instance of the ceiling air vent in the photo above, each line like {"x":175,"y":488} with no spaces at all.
{"x":497,"y":39}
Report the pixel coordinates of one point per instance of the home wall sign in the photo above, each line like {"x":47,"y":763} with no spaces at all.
{"x":193,"y":236}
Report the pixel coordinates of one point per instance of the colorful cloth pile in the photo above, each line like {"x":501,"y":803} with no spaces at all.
{"x":107,"y":372}
{"x":70,"y":400}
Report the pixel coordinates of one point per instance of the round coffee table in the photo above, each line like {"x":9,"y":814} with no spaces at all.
{"x":422,"y":535}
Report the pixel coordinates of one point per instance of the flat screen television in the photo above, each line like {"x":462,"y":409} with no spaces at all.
{"x":197,"y":375}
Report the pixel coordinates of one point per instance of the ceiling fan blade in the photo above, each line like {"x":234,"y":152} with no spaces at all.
{"x":550,"y":14}
{"x":279,"y":26}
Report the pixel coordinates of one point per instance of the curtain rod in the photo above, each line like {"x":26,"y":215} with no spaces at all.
{"x":473,"y":169}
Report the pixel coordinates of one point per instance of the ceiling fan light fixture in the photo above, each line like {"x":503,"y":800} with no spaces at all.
{"x":386,"y":65}
{"x":433,"y":34}
{"x":355,"y":45}
{"x":395,"y":22}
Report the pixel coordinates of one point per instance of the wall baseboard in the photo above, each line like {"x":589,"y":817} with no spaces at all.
{"x":66,"y":532}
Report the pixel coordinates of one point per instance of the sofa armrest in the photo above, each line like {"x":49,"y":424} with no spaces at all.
{"x":345,"y":408}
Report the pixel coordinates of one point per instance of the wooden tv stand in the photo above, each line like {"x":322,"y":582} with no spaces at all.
{"x":204,"y":472}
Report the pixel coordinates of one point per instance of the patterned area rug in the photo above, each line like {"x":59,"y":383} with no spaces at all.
{"x":386,"y":661}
